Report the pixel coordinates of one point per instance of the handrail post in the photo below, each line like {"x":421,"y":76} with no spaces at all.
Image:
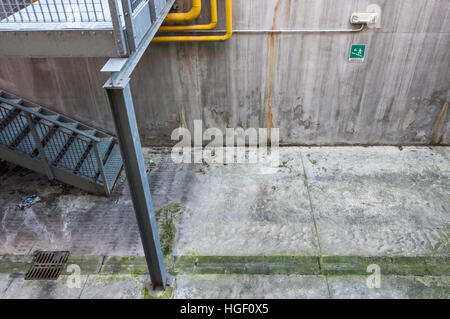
{"x":119,"y":37}
{"x":101,"y":169}
{"x":39,"y":146}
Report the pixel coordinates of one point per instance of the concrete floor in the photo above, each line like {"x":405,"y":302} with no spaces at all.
{"x":307,"y":228}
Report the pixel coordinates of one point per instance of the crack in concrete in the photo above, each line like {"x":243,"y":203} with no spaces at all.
{"x":84,"y":285}
{"x":9,"y":285}
{"x":102,"y":264}
{"x":311,"y":206}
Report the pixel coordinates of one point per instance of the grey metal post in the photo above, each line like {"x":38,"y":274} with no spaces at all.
{"x":122,"y":108}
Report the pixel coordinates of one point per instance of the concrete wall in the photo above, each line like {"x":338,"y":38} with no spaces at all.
{"x":301,"y":83}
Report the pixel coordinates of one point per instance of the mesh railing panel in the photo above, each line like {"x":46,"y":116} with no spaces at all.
{"x":32,"y":11}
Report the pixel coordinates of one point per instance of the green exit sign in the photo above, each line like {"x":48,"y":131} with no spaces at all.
{"x":358,"y":53}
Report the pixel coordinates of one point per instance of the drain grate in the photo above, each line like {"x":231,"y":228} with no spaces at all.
{"x":47,"y":265}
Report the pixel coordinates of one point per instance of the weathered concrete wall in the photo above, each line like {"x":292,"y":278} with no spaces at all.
{"x":301,"y":83}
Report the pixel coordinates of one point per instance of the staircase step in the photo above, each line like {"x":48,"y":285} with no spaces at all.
{"x":36,"y":109}
{"x":75,"y":152}
{"x":13,"y":129}
{"x":88,"y":132}
{"x":55,"y":144}
{"x":17,"y":101}
{"x":28,"y":145}
{"x":113,"y":166}
{"x":49,"y":123}
{"x":59,"y":137}
{"x":104,"y":146}
{"x":8,"y":114}
{"x":90,"y":166}
{"x":13,"y":100}
{"x":5,"y":109}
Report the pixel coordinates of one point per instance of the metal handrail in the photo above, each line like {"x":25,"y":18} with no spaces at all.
{"x":44,"y":117}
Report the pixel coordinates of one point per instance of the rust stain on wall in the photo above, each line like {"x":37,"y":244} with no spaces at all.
{"x":270,"y":73}
{"x":438,"y":136}
{"x":269,"y":76}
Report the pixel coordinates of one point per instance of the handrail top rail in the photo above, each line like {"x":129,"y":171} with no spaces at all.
{"x":44,"y":117}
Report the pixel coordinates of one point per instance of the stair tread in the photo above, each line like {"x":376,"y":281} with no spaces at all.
{"x":17,"y":101}
{"x":104,"y":145}
{"x":72,"y":155}
{"x":113,"y":165}
{"x":13,"y":129}
{"x":34,"y":108}
{"x":88,"y":132}
{"x":5,"y":111}
{"x":28,"y":144}
{"x":90,"y":165}
{"x":52,"y":117}
{"x":6,"y":106}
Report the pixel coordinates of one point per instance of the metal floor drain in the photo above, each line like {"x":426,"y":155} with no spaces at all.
{"x":47,"y":265}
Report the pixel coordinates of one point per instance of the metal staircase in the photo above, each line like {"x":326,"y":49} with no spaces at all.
{"x":41,"y":140}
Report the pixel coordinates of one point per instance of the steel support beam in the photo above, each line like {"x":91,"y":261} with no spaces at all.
{"x":120,"y":77}
{"x":121,"y":103}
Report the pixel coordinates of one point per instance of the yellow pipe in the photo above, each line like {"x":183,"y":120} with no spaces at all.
{"x":211,"y":38}
{"x":186,"y":16}
{"x":209,"y":26}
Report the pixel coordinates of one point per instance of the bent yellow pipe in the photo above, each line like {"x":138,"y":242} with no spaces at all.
{"x":209,"y":26}
{"x":211,"y":38}
{"x":186,"y":16}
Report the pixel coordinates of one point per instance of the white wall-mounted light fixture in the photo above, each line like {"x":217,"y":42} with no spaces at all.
{"x":370,"y":19}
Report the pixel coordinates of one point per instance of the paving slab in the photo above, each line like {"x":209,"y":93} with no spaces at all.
{"x":43,"y":289}
{"x":250,"y":287}
{"x":246,"y":210}
{"x":65,"y":218}
{"x":5,"y":282}
{"x":114,"y":287}
{"x":392,"y":287}
{"x":378,"y":201}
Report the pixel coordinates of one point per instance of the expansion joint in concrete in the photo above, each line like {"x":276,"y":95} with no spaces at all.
{"x":84,"y":286}
{"x":311,"y":207}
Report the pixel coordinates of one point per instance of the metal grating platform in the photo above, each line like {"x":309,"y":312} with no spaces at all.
{"x":47,"y":265}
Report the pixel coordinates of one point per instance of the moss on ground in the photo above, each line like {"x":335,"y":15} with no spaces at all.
{"x":166,"y":295}
{"x":125,"y":265}
{"x":312,"y":265}
{"x":167,"y":218}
